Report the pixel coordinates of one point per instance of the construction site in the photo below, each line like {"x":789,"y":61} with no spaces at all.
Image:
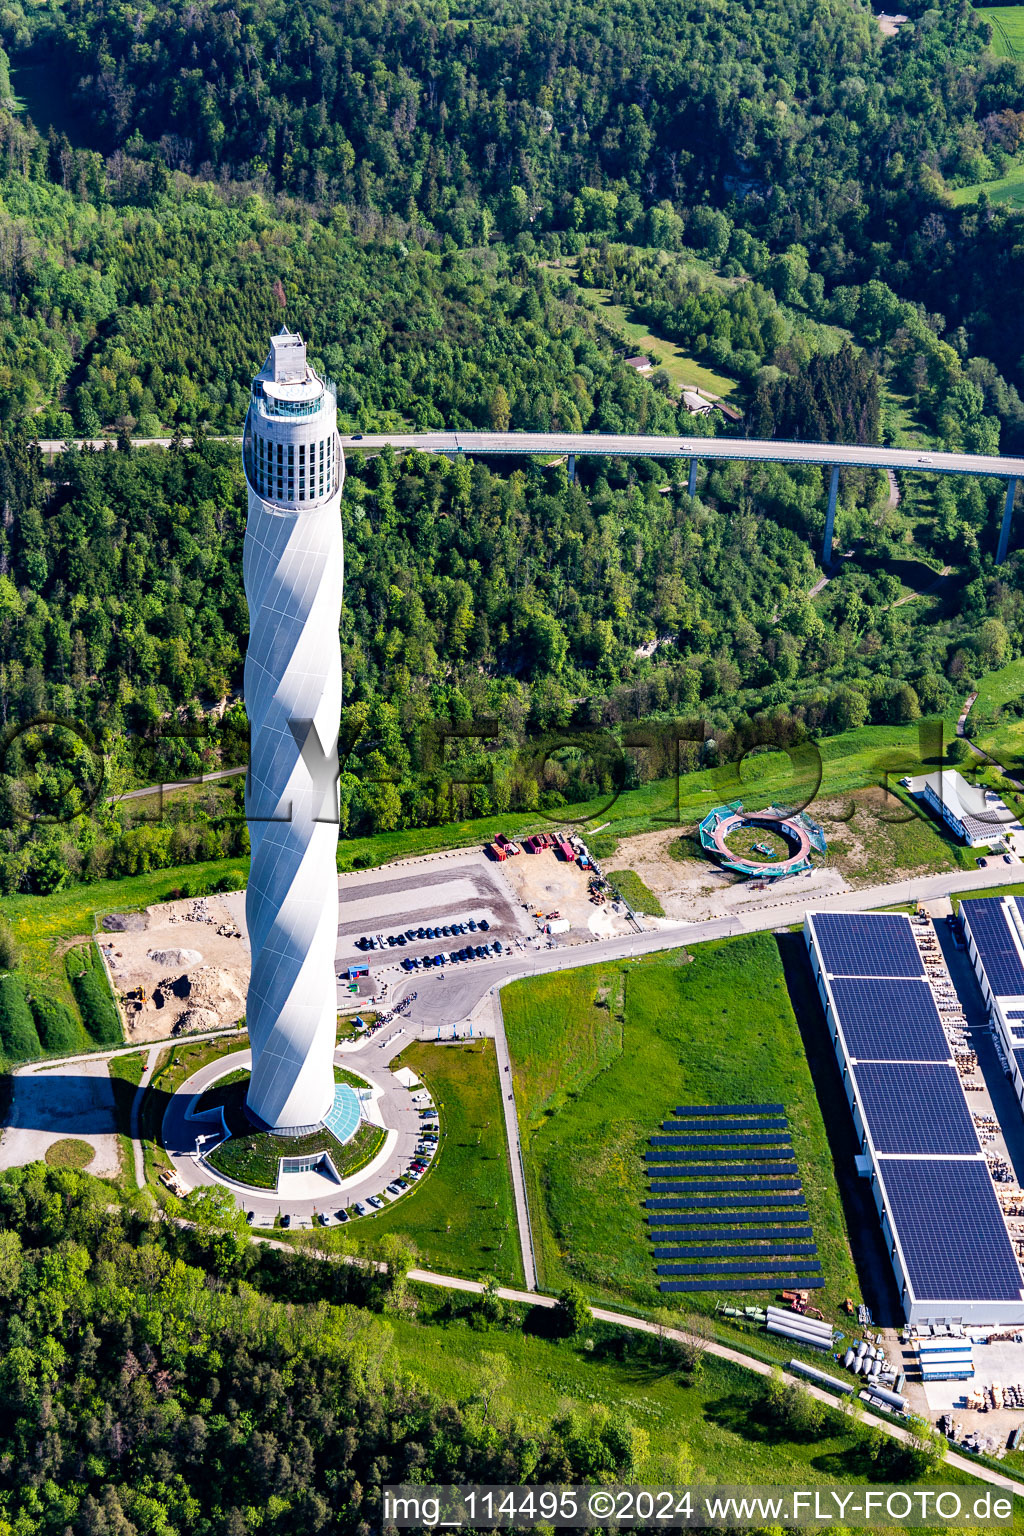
{"x":562,"y":888}
{"x":180,"y":967}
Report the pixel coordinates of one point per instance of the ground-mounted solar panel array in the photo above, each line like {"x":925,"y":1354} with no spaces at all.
{"x":726,"y":1208}
{"x":950,"y":1246}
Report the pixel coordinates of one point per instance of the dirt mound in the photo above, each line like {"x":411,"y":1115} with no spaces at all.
{"x":126,"y":922}
{"x":213,"y":997}
{"x":182,"y":957}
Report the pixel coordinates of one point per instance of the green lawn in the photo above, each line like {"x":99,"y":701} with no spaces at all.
{"x":175,"y":1065}
{"x":1007,"y":22}
{"x":1000,"y":735}
{"x":602,"y":1055}
{"x":628,"y":883}
{"x":69,"y":1153}
{"x":1008,"y":189}
{"x":461,"y":1214}
{"x":684,"y":372}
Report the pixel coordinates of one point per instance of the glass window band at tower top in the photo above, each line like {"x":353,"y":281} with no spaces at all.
{"x":291,"y":422}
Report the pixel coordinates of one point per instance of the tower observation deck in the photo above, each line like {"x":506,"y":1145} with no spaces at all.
{"x":293,"y":570}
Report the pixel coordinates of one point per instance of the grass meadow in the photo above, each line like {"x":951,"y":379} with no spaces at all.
{"x":1007,"y":23}
{"x":601,"y":1055}
{"x":461,"y":1214}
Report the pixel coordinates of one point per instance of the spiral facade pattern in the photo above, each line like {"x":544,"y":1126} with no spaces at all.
{"x":293,"y":570}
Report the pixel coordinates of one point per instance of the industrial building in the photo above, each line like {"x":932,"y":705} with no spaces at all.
{"x":293,"y":570}
{"x":948,"y":1241}
{"x":974,"y":814}
{"x":994,"y":930}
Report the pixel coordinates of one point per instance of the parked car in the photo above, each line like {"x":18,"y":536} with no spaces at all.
{"x":361,"y":1209}
{"x":484,"y":925}
{"x":1007,"y":859}
{"x":983,"y":863}
{"x":421,"y":933}
{"x":286,"y":1220}
{"x":375,"y":1201}
{"x":341,"y":1216}
{"x":472,"y":926}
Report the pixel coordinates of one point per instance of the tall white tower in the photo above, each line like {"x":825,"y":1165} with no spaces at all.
{"x":293,"y":569}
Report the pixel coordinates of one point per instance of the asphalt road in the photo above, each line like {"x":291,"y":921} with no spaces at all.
{"x":581,"y":444}
{"x":450,"y":995}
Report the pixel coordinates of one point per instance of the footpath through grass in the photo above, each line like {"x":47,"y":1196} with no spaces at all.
{"x":461,"y":1214}
{"x":601,"y":1056}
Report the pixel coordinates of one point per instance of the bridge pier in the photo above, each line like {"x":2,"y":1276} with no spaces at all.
{"x":570,"y":469}
{"x":1004,"y":532}
{"x":691,"y":485}
{"x":830,"y":516}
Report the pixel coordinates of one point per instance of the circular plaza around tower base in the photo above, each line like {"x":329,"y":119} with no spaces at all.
{"x":762,"y":845}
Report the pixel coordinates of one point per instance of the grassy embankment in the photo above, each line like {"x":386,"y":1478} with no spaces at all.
{"x":629,"y":885}
{"x":461,"y":1214}
{"x":709,"y":1425}
{"x":602,"y":1054}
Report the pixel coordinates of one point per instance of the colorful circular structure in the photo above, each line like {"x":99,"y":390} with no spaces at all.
{"x":801,"y":835}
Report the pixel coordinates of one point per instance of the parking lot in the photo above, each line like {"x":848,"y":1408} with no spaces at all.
{"x":437,"y":892}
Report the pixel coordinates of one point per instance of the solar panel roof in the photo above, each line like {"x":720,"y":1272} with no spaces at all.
{"x":886,"y":1020}
{"x":990,"y":929}
{"x":951,"y":1230}
{"x":866,"y":944}
{"x":915,"y":1107}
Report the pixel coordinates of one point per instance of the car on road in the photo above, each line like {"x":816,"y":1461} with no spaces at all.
{"x":923,"y":458}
